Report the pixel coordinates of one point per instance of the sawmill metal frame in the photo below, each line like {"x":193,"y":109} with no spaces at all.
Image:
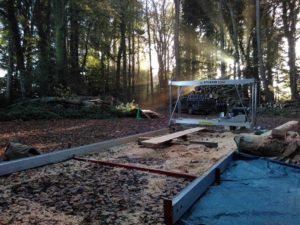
{"x":176,"y":207}
{"x":236,"y":121}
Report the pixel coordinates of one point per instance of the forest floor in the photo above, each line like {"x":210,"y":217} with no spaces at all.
{"x":53,"y":135}
{"x":75,"y":192}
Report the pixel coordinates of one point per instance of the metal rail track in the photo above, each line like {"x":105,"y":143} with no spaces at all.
{"x":176,"y":207}
{"x":9,"y":167}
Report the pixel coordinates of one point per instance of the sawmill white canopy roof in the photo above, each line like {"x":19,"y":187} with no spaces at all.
{"x":211,"y":82}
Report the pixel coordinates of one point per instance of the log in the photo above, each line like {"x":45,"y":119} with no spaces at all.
{"x":260,"y":145}
{"x":16,"y":150}
{"x":296,"y":159}
{"x":290,"y":151}
{"x":291,"y":125}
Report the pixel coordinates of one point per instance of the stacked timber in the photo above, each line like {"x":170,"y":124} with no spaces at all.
{"x":281,"y":143}
{"x":86,"y":101}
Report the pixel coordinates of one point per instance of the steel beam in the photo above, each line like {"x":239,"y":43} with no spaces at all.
{"x":176,"y":207}
{"x":212,"y":122}
{"x":8,"y":167}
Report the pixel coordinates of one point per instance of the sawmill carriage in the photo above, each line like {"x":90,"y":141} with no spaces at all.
{"x":206,"y":100}
{"x":219,"y":96}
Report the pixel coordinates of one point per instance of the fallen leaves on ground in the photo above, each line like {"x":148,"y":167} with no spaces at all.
{"x":51,"y":135}
{"x":48,"y":135}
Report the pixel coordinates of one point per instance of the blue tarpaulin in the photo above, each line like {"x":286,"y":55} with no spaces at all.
{"x":252,"y":192}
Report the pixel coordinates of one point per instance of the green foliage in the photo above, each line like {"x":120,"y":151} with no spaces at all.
{"x":281,"y":112}
{"x":125,"y":110}
{"x":2,"y":85}
{"x":126,"y":107}
{"x":29,"y":112}
{"x":62,"y":91}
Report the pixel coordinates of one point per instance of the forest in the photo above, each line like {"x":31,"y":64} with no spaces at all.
{"x":129,"y":49}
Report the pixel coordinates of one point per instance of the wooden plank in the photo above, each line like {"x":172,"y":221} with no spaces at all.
{"x":284,"y":127}
{"x":140,"y":139}
{"x":151,"y":114}
{"x":175,"y":208}
{"x":8,"y":167}
{"x":155,"y":142}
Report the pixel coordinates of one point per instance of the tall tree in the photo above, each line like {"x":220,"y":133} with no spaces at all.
{"x":176,"y":38}
{"x":259,"y":51}
{"x":16,"y":39}
{"x":59,"y":17}
{"x":74,"y":46}
{"x":290,"y":11}
{"x":149,"y":47}
{"x":44,"y":72}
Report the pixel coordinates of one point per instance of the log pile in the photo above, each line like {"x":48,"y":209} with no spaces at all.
{"x":85,"y":101}
{"x":281,"y":143}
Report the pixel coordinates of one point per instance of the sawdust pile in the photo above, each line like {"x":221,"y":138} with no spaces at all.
{"x":193,"y":158}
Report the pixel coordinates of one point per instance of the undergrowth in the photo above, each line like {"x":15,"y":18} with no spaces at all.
{"x":49,"y":111}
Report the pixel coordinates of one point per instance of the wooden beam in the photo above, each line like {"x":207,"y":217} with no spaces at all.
{"x":8,"y":167}
{"x":156,"y":142}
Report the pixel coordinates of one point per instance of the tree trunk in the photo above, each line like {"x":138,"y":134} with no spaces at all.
{"x":10,"y":70}
{"x":271,"y":52}
{"x":124,"y":58}
{"x":261,"y":66}
{"x":222,"y":41}
{"x":26,"y":11}
{"x":176,"y":38}
{"x":86,"y":49}
{"x":133,"y":65}
{"x":129,"y":75}
{"x":59,"y":9}
{"x":293,"y":69}
{"x":102,"y":73}
{"x":149,"y":49}
{"x":107,"y":76}
{"x":118,"y":70}
{"x":16,"y":38}
{"x":290,"y":11}
{"x":235,"y":41}
{"x":74,"y":46}
{"x":44,"y":78}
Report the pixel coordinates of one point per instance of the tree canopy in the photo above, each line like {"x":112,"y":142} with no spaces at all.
{"x":125,"y":48}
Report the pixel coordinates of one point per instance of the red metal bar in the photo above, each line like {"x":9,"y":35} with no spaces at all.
{"x":131,"y":166}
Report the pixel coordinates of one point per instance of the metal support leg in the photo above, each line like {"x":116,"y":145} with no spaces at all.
{"x":170,"y":104}
{"x":178,"y":97}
